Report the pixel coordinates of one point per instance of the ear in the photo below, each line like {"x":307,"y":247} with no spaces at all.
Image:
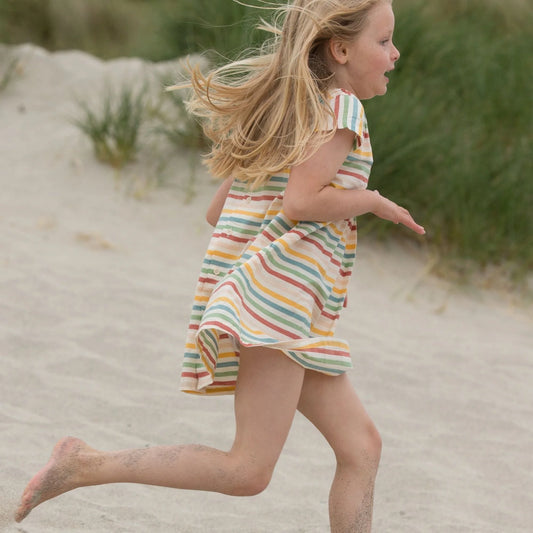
{"x":338,"y":51}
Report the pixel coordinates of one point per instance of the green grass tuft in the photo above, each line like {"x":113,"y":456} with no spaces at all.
{"x":7,"y":72}
{"x":114,"y":128}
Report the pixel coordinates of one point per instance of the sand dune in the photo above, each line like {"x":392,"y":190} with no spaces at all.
{"x":95,"y":294}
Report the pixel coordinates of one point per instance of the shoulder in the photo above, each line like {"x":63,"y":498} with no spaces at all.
{"x":343,"y":102}
{"x":348,"y":112}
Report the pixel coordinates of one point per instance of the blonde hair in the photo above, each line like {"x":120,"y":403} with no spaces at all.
{"x":267,"y":112}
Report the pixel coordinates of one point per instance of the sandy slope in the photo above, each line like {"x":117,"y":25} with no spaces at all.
{"x":95,"y":293}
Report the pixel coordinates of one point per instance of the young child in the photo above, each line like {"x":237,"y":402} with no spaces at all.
{"x":290,"y":138}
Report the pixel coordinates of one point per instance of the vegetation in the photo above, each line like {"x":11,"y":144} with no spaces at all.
{"x":8,"y":67}
{"x":114,"y":127}
{"x":223,"y":28}
{"x":100,"y":27}
{"x":170,"y":120}
{"x":453,"y":139}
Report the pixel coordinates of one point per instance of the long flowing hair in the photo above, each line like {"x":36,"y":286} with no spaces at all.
{"x":267,"y":112}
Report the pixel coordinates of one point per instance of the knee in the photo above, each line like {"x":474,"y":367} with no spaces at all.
{"x":250,"y":480}
{"x":373,"y":443}
{"x":363,"y":450}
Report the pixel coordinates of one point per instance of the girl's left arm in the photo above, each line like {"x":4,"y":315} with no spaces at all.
{"x":217,"y":203}
{"x":310,"y":196}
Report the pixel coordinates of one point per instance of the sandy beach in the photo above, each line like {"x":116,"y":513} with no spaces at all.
{"x":97,"y":278}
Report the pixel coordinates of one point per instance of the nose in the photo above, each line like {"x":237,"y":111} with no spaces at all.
{"x":395,"y":53}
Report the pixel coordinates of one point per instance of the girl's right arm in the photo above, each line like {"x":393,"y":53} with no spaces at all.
{"x":217,"y":203}
{"x":310,"y":196}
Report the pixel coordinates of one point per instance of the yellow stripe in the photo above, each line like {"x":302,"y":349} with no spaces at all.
{"x":325,"y":343}
{"x":212,"y":390}
{"x":339,"y":290}
{"x":218,"y":389}
{"x":225,"y":255}
{"x":335,"y":229}
{"x":360,"y":152}
{"x":321,"y":332}
{"x":255,"y":214}
{"x":227,"y":355}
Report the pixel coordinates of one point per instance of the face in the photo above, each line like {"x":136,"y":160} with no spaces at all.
{"x":360,"y":66}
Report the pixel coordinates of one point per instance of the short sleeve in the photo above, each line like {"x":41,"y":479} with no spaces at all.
{"x":349,"y":113}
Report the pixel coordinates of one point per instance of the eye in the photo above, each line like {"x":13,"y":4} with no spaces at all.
{"x":384,"y":42}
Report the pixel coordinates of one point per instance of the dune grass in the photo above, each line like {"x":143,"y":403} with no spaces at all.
{"x":223,"y":29}
{"x":100,"y":27}
{"x":170,"y":121}
{"x":453,"y":139}
{"x":7,"y":70}
{"x":114,"y":125}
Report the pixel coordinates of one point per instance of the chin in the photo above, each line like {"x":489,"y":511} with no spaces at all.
{"x":369,"y":97}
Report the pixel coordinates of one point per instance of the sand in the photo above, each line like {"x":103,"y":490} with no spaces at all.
{"x":97,"y":278}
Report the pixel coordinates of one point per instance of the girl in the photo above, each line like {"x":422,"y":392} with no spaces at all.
{"x":290,"y":136}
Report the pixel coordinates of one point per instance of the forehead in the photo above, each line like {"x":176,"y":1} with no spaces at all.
{"x":380,"y":18}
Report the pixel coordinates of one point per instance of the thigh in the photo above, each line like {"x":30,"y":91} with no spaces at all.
{"x":266,"y":397}
{"x":332,"y":405}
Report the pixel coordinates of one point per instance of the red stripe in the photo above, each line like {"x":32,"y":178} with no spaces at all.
{"x":215,"y":324}
{"x":201,"y":279}
{"x":329,"y":352}
{"x":223,"y":383}
{"x":330,"y":316}
{"x":353,"y":175}
{"x":195,"y":375}
{"x":223,"y":235}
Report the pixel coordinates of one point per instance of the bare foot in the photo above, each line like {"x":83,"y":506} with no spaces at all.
{"x":59,"y":475}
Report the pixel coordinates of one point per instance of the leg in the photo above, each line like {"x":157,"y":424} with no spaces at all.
{"x":332,"y":405}
{"x":266,"y":397}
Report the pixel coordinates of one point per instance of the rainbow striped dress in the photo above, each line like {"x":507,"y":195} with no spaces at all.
{"x":267,"y":280}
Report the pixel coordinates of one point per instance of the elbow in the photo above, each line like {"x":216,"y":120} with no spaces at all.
{"x":213,"y":213}
{"x":294,"y":208}
{"x":211,"y":218}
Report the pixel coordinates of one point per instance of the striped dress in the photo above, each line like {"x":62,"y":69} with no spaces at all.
{"x":267,"y":280}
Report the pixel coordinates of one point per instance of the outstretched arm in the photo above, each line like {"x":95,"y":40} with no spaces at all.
{"x":217,"y":203}
{"x":309,"y":196}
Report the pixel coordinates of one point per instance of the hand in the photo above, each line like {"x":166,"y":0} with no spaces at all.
{"x":388,"y":210}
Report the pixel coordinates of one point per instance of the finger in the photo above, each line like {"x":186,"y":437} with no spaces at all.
{"x":410,"y":223}
{"x":417,"y":228}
